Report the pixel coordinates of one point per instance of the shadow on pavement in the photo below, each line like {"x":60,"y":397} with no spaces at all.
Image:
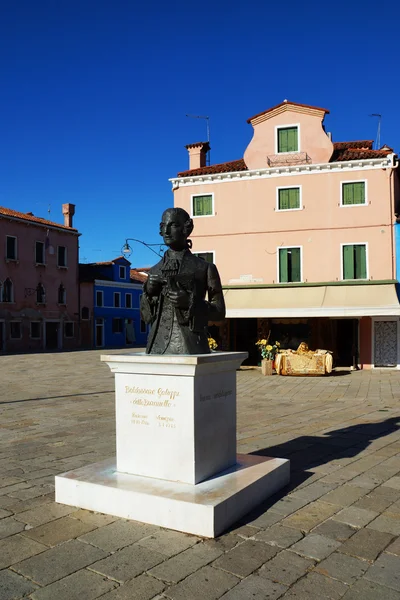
{"x":306,"y":452}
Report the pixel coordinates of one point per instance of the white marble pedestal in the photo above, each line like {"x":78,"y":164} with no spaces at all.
{"x":176,"y":464}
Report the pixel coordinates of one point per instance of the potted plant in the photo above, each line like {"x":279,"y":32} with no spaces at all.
{"x":268,"y":353}
{"x":212,"y":344}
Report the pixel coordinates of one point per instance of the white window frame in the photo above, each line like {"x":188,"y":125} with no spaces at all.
{"x":365,"y":182}
{"x":12,"y":298}
{"x":64,"y":302}
{"x":69,"y":337}
{"x":277,"y":264}
{"x":102,"y":298}
{"x":205,"y":252}
{"x":40,"y":330}
{"x":202,"y":216}
{"x":44,"y":294}
{"x":130,"y":295}
{"x":117,"y":294}
{"x":277,"y":127}
{"x":85,"y":318}
{"x":66,"y":258}
{"x":16,"y":248}
{"x":44,"y":253}
{"x":289,"y":187}
{"x":366,"y":259}
{"x":124,"y":275}
{"x":20,"y":330}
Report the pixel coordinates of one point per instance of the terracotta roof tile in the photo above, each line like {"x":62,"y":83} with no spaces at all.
{"x":109,"y":262}
{"x":228,"y":167}
{"x":286,"y":103}
{"x":358,"y":150}
{"x":140,"y":274}
{"x":8,"y":212}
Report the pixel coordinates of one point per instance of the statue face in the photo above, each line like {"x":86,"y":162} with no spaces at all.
{"x":173,"y":230}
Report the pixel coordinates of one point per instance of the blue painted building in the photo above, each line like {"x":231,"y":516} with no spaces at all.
{"x":115,"y":319}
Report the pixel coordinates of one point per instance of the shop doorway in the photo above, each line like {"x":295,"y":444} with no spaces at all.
{"x":385,"y":343}
{"x":243,"y":339}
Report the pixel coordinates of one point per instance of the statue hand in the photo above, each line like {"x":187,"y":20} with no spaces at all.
{"x":179,"y":298}
{"x":153,"y":284}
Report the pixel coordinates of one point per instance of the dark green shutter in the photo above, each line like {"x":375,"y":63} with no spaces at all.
{"x":295,"y":274}
{"x":283,"y":265}
{"x":354,"y":193}
{"x":289,"y":198}
{"x":288,"y":139}
{"x":294,"y":198}
{"x":283,"y":199}
{"x":202,"y":205}
{"x":348,"y":262}
{"x":360,"y":267}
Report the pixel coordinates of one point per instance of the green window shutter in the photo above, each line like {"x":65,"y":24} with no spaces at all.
{"x":288,"y":139}
{"x":283,"y":265}
{"x":202,"y":205}
{"x":292,"y":139}
{"x":348,"y":262}
{"x":360,"y":262}
{"x":348,"y":196}
{"x":283,"y":199}
{"x":294,"y":198}
{"x":354,"y":193}
{"x":359,"y":193}
{"x":295,"y":264}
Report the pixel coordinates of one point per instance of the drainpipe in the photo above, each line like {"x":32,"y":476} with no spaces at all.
{"x":393,"y":166}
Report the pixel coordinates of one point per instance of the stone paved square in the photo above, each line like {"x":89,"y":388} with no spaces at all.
{"x":341,"y":433}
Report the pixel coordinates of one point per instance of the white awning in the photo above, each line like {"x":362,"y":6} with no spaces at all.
{"x":378,"y":300}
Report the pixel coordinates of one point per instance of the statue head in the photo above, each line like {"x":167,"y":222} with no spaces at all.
{"x":175,"y":228}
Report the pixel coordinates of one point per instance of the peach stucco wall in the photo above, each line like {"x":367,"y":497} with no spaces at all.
{"x":312,"y":138}
{"x":246,"y":229}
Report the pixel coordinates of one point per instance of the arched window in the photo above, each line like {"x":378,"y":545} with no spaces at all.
{"x":8,"y":291}
{"x":85,"y":313}
{"x":40,"y":294}
{"x":62,"y":295}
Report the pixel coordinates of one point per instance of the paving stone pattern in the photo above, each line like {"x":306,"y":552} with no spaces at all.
{"x":332,"y":533}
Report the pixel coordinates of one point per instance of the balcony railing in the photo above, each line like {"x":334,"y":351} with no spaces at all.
{"x":288,"y":159}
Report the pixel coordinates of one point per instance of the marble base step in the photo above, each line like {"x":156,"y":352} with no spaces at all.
{"x":206,"y":509}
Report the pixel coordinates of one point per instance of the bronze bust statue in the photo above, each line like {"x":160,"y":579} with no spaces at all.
{"x":174,"y":295}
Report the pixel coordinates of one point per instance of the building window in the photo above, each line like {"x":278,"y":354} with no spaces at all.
{"x":289,"y":198}
{"x":11,"y":247}
{"x":62,"y":295}
{"x":143,"y":326}
{"x":128,"y":300}
{"x":117,"y":299}
{"x":117,"y":325}
{"x":39,"y":253}
{"x":61,"y":256}
{"x":122,"y":272}
{"x":15,"y":330}
{"x":40,"y":294}
{"x":207,"y":256}
{"x":35,"y":330}
{"x":354,"y":261}
{"x":288,"y":139}
{"x":85,"y":314}
{"x":99,"y":298}
{"x":289,"y":265}
{"x":7,"y":291}
{"x":353,"y":193}
{"x":69,"y":329}
{"x":202,"y":206}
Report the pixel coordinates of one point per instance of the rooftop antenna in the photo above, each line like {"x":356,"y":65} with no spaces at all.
{"x":378,"y":135}
{"x":207,"y":119}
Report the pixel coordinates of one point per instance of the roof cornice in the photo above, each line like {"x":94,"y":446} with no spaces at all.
{"x":38,"y":224}
{"x":283,"y":171}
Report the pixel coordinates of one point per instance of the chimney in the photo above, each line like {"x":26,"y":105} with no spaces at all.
{"x":68,"y":212}
{"x":197,"y":154}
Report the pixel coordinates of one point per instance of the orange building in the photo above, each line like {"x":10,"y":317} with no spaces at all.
{"x":301,"y":229}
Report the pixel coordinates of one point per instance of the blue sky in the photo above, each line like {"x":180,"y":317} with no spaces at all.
{"x":94,"y":93}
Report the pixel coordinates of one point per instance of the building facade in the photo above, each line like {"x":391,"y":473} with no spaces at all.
{"x":39,"y":299}
{"x":110,"y":312}
{"x":302,"y":231}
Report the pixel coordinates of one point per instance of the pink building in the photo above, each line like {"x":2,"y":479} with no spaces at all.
{"x":301,"y":229}
{"x":39,"y":297}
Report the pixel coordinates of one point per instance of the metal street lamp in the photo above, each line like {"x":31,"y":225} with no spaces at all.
{"x":127,"y":250}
